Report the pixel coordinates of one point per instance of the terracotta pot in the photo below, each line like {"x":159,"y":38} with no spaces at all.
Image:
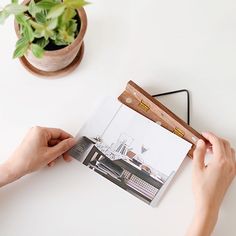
{"x":56,"y":60}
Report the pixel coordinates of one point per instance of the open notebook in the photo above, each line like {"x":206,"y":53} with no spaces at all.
{"x":130,"y":150}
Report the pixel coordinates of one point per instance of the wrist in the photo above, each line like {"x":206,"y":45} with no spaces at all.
{"x":7,"y":173}
{"x":210,"y":209}
{"x":208,"y":215}
{"x":204,"y":220}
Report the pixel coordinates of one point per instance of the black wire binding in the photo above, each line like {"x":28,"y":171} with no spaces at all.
{"x":179,"y":91}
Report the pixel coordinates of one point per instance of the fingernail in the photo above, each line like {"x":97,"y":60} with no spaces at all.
{"x":69,"y":159}
{"x":51,"y":164}
{"x":200,"y":142}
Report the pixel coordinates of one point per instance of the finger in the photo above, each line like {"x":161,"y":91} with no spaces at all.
{"x":52,"y":163}
{"x":209,"y":149}
{"x":55,"y":133}
{"x":234,"y":157}
{"x":227,"y":148}
{"x":61,"y":147}
{"x":67,"y":157}
{"x":199,"y":155}
{"x":233,"y":153}
{"x":53,"y":142}
{"x":217,"y":144}
{"x":209,"y":146}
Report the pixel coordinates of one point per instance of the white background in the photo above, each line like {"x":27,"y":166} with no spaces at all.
{"x":161,"y":45}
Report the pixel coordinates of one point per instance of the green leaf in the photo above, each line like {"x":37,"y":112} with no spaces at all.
{"x":68,"y":14}
{"x":59,"y":42}
{"x":46,"y":4}
{"x":53,"y":36}
{"x":33,"y":8}
{"x":52,"y":24}
{"x":37,"y":26}
{"x":48,"y":33}
{"x":37,"y":50}
{"x":3,"y":16}
{"x":21,"y":19}
{"x":42,"y":42}
{"x":21,"y":41}
{"x":28,"y":33}
{"x":38,"y":34}
{"x":40,"y":18}
{"x":56,"y":11}
{"x":15,"y":8}
{"x":44,"y":30}
{"x":14,"y":1}
{"x":65,"y":36}
{"x":72,"y":27}
{"x":75,"y":4}
{"x":21,"y":47}
{"x":25,"y":28}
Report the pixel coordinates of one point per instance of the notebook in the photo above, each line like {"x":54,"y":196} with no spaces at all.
{"x":130,"y":150}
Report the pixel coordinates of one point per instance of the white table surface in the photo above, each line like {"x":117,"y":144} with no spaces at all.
{"x":161,"y":45}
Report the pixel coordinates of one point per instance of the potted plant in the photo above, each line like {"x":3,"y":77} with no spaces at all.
{"x":50,"y":34}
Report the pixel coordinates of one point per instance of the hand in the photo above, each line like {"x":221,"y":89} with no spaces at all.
{"x":40,"y":147}
{"x":210,"y":182}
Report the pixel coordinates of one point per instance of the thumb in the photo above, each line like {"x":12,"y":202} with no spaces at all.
{"x":199,"y":155}
{"x":62,"y":147}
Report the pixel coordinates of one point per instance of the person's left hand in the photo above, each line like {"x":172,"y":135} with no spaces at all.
{"x":40,"y":147}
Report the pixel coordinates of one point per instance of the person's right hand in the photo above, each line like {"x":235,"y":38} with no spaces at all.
{"x":210,"y":182}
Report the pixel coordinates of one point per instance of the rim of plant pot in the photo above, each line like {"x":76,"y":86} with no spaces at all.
{"x":59,"y":52}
